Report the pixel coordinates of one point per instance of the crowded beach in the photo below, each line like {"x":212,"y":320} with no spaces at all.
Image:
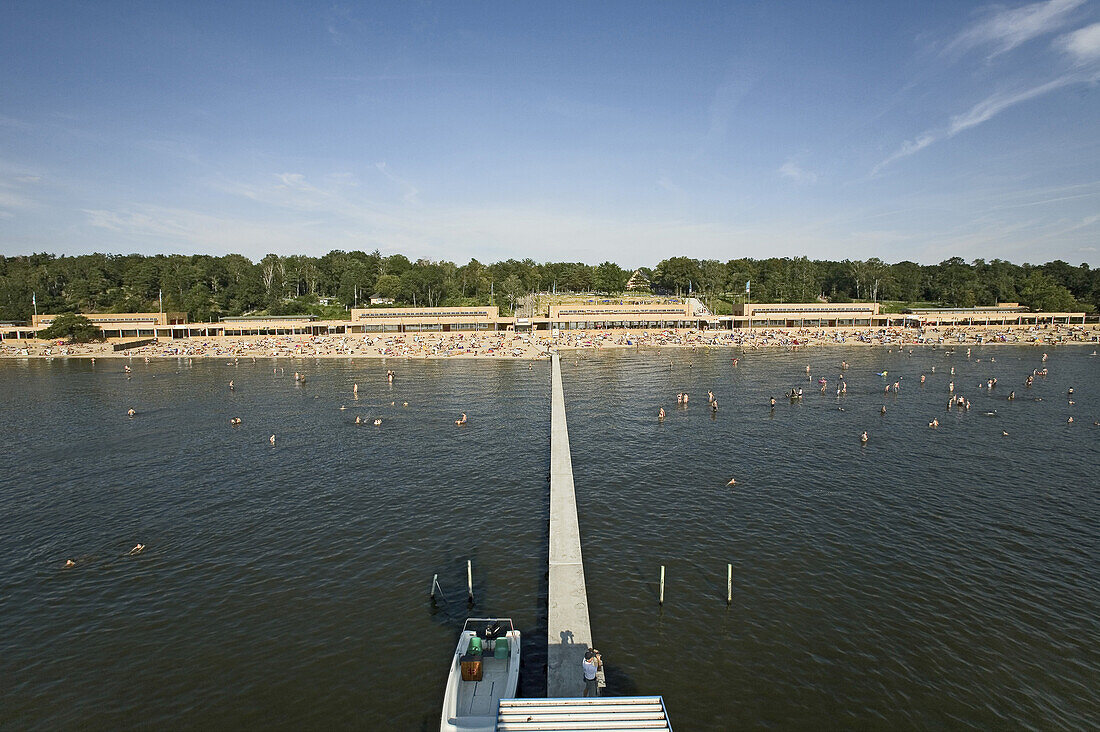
{"x":511,"y":345}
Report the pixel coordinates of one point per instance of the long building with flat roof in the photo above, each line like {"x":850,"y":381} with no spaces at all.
{"x":604,"y":315}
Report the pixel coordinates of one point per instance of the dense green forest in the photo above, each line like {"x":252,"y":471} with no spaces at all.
{"x":207,"y":287}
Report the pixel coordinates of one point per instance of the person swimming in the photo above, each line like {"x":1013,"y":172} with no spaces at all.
{"x":661,"y":414}
{"x":137,"y":549}
{"x":69,"y":563}
{"x":378,"y":422}
{"x":272,"y":439}
{"x":130,"y":412}
{"x":461,"y":421}
{"x":863,"y":437}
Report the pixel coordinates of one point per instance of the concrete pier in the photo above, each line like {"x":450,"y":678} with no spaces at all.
{"x":568,"y":631}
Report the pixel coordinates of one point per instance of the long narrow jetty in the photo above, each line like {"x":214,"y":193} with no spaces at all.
{"x":568,"y":631}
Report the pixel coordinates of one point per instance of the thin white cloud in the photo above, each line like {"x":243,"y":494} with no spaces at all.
{"x":997,"y":103}
{"x":1083,"y":44}
{"x":984,"y":111}
{"x":1004,"y":29}
{"x":409,"y":192}
{"x":793,"y":171}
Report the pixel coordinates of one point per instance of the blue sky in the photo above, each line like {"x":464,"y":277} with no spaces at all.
{"x":585,"y":132}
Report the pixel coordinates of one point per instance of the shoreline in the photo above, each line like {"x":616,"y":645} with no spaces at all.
{"x":524,"y":346}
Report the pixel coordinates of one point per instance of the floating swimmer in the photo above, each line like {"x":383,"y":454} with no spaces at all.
{"x":377,"y":422}
{"x":131,"y":412}
{"x":69,"y":563}
{"x":661,"y":414}
{"x":137,"y":550}
{"x":934,"y":423}
{"x":231,"y":387}
{"x":358,"y":420}
{"x":863,"y":437}
{"x":272,"y":440}
{"x":733,"y":481}
{"x":881,"y":373}
{"x":461,"y":421}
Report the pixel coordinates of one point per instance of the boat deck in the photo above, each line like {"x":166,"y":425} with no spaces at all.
{"x":479,"y":698}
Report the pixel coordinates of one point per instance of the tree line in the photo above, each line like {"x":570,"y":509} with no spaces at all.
{"x":208,"y":287}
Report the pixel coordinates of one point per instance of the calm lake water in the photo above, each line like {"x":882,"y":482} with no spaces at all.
{"x":930,"y":578}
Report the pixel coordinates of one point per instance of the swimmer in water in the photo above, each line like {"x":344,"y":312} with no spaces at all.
{"x":137,"y":549}
{"x":733,"y":481}
{"x":231,"y":388}
{"x":461,"y":421}
{"x":69,"y":563}
{"x":272,"y":439}
{"x":661,"y":414}
{"x":883,"y":410}
{"x":378,"y":422}
{"x":934,"y":423}
{"x":131,"y":412}
{"x":773,"y":402}
{"x":863,"y":437}
{"x":358,"y":419}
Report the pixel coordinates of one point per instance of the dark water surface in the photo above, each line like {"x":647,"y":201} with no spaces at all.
{"x":931,"y":578}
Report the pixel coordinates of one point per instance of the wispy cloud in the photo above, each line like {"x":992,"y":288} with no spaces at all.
{"x":1082,"y":45}
{"x":1002,"y":30}
{"x":793,"y":171}
{"x":409,"y":192}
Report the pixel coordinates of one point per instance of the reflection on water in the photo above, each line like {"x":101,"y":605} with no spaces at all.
{"x":927,"y":578}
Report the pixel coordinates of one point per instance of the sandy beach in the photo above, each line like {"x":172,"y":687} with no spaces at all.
{"x":534,"y":346}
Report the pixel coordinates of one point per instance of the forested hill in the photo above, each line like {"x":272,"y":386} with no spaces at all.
{"x":208,"y":287}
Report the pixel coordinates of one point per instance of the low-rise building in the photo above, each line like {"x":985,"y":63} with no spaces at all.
{"x":1006,"y":313}
{"x":805,"y":315}
{"x":408,"y":320}
{"x":657,"y":315}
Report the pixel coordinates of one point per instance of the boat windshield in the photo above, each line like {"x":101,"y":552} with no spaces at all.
{"x":489,"y":628}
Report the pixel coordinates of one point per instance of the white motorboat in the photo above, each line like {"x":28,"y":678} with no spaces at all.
{"x":484,"y":670}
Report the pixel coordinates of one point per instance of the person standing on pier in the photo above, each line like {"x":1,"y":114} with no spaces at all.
{"x":590,"y":665}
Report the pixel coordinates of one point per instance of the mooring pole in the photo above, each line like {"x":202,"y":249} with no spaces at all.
{"x":470,"y":580}
{"x":729,"y":584}
{"x":435,"y":581}
{"x":661,"y":600}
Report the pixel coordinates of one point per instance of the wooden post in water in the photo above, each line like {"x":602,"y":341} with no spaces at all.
{"x":661,"y":600}
{"x":435,"y":581}
{"x":729,"y":584}
{"x":469,"y":580}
